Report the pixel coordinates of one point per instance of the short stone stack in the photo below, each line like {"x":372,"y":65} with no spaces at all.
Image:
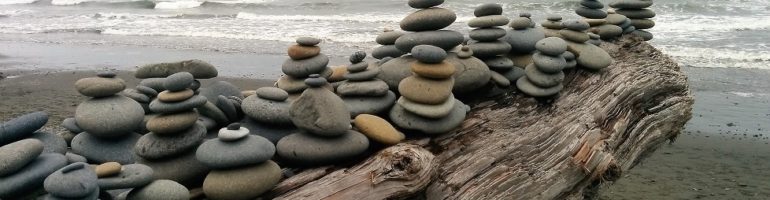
{"x":522,"y":38}
{"x":486,"y":44}
{"x":174,"y":133}
{"x":23,"y":165}
{"x":638,"y":13}
{"x":544,"y":77}
{"x":363,"y":93}
{"x":426,"y":103}
{"x":75,"y":181}
{"x":591,"y":10}
{"x":614,"y":27}
{"x":305,"y":58}
{"x":552,"y":25}
{"x":589,"y":56}
{"x":388,"y":41}
{"x":240,"y":163}
{"x":268,"y":113}
{"x":108,"y":121}
{"x":594,"y":39}
{"x":325,"y":135}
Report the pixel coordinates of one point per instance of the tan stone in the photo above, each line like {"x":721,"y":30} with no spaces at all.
{"x":595,"y":22}
{"x":338,"y":73}
{"x":441,"y":70}
{"x":298,"y":52}
{"x":172,"y":123}
{"x":108,"y":169}
{"x":247,"y":93}
{"x":377,"y":129}
{"x":243,"y":182}
{"x":168,"y":96}
{"x":425,"y":90}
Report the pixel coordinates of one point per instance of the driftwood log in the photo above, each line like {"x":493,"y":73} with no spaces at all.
{"x":515,"y":147}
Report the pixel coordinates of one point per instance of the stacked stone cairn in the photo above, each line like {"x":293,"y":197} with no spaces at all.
{"x":616,"y":25}
{"x":268,"y":113}
{"x":305,"y":58}
{"x":240,"y":163}
{"x":388,"y":41}
{"x":175,"y":133}
{"x":108,"y":121}
{"x":588,"y":55}
{"x":426,"y":103}
{"x":544,"y":76}
{"x":24,"y":164}
{"x":325,"y":135}
{"x":552,"y":25}
{"x":363,"y":93}
{"x":592,"y":11}
{"x":485,"y":42}
{"x":522,"y":39}
{"x":638,"y":13}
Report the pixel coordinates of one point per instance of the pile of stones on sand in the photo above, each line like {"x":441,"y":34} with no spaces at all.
{"x":305,"y":58}
{"x":362,"y":92}
{"x":544,"y":76}
{"x":638,"y":13}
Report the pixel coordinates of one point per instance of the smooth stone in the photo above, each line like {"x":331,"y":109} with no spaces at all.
{"x":228,"y":108}
{"x":593,"y":36}
{"x":22,"y":126}
{"x":591,"y":13}
{"x":158,"y":106}
{"x":513,"y":74}
{"x":272,"y":93}
{"x":554,"y":17}
{"x":470,"y":73}
{"x":130,"y":176}
{"x":520,"y":23}
{"x":426,"y":91}
{"x":250,"y":150}
{"x":72,"y":181}
{"x":576,"y":25}
{"x":367,"y":75}
{"x":592,"y":4}
{"x":636,"y":13}
{"x":633,"y":4}
{"x":489,"y":49}
{"x":608,"y":31}
{"x":442,"y":70}
{"x":271,"y":132}
{"x":428,"y":54}
{"x":321,"y":112}
{"x":629,"y":30}
{"x":99,"y":87}
{"x":299,"y":52}
{"x":108,"y":169}
{"x":488,"y":21}
{"x":170,"y":124}
{"x":267,"y":111}
{"x":242,"y":183}
{"x":135,"y":95}
{"x":523,"y":41}
{"x":595,"y":22}
{"x":571,"y":64}
{"x":223,"y":88}
{"x":542,"y":79}
{"x":31,"y":177}
{"x":169,"y":168}
{"x":14,"y":156}
{"x":71,"y":125}
{"x":303,"y":68}
{"x":574,"y":36}
{"x":387,"y":51}
{"x":549,"y":64}
{"x":106,"y":74}
{"x":388,"y":37}
{"x":67,"y":136}
{"x":551,"y":46}
{"x":338,"y":74}
{"x":100,"y":150}
{"x":411,"y":121}
{"x":488,"y":9}
{"x":378,"y":129}
{"x":168,"y":96}
{"x":228,"y":135}
{"x":465,"y":52}
{"x":499,"y":63}
{"x":428,"y":19}
{"x":290,"y":84}
{"x":642,"y":23}
{"x":557,"y":25}
{"x":626,"y":24}
{"x":52,"y":143}
{"x":306,"y":149}
{"x":308,"y":41}
{"x":152,"y":146}
{"x":357,"y":67}
{"x":160,"y":190}
{"x":372,"y":88}
{"x":590,"y":56}
{"x":424,"y":3}
{"x":644,"y":34}
{"x":487,"y":34}
{"x":429,"y":111}
{"x":153,"y":84}
{"x":178,"y":81}
{"x":395,"y":70}
{"x":211,"y":111}
{"x":198,"y":68}
{"x":444,"y":39}
{"x":369,"y":105}
{"x":500,"y":80}
{"x":109,"y":116}
{"x":615,"y":19}
{"x":532,"y":90}
{"x":73,"y":158}
{"x":357,"y":57}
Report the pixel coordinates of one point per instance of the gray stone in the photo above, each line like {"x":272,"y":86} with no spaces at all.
{"x":489,"y":49}
{"x":211,"y":111}
{"x":170,"y":168}
{"x":629,"y":30}
{"x":321,"y":112}
{"x":99,"y":87}
{"x":71,"y":125}
{"x":523,"y":41}
{"x":272,"y":93}
{"x":636,"y":13}
{"x":499,"y":63}
{"x":488,"y":21}
{"x":556,"y":25}
{"x":388,"y":37}
{"x":369,"y":105}
{"x":513,"y":74}
{"x":396,"y":69}
{"x":487,"y":34}
{"x":500,"y":80}
{"x":470,"y":73}
{"x":357,"y":56}
{"x":568,"y":55}
{"x":520,"y":23}
{"x":22,"y":126}
{"x":31,"y":177}
{"x":428,"y":20}
{"x":160,"y":190}
{"x":155,"y":84}
{"x":250,"y":150}
{"x":176,"y":107}
{"x":428,"y":111}
{"x":591,"y":13}
{"x":14,"y":156}
{"x":488,"y":9}
{"x":100,"y":150}
{"x":357,"y":67}
{"x":306,"y":67}
{"x":271,"y":132}
{"x":73,"y":158}
{"x":306,"y":149}
{"x":106,"y":74}
{"x":548,"y":64}
{"x":625,"y":24}
{"x":232,"y":132}
{"x":576,"y":25}
{"x":366,"y":75}
{"x":152,"y":146}
{"x":574,"y":36}
{"x":592,"y":4}
{"x":198,"y":68}
{"x":542,"y":79}
{"x":615,"y":19}
{"x":247,"y":182}
{"x":372,"y":88}
{"x":109,"y":116}
{"x":642,"y":23}
{"x":551,"y":46}
{"x":408,"y":120}
{"x":223,"y":88}
{"x":554,"y":17}
{"x":608,"y":31}
{"x":150,"y":92}
{"x":532,"y":90}
{"x":590,"y":56}
{"x":387,"y":51}
{"x":633,"y":4}
{"x":315,"y":81}
{"x":267,"y":111}
{"x":130,"y":176}
{"x":227,"y":107}
{"x":643,"y":34}
{"x":308,"y":41}
{"x":424,"y":3}
{"x":76,"y":180}
{"x":178,"y":81}
{"x":428,"y":54}
{"x":444,"y":39}
{"x":136,"y":95}
{"x":52,"y":143}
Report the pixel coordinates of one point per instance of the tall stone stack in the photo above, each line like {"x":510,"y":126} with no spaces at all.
{"x":552,"y":25}
{"x":108,"y":120}
{"x":268,"y":113}
{"x":522,"y":38}
{"x":363,"y":93}
{"x":426,"y":103}
{"x":486,"y":44}
{"x":639,"y":14}
{"x":388,"y":41}
{"x":305,"y":58}
{"x":240,"y":163}
{"x":325,"y":135}
{"x":588,"y":56}
{"x":544,"y":76}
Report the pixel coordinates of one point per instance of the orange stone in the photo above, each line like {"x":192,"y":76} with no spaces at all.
{"x":298,"y":52}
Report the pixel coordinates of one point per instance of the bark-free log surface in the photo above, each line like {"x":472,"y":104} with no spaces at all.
{"x":515,"y":147}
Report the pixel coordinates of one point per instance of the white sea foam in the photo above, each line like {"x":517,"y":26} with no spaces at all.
{"x":173,"y":5}
{"x":718,"y":57}
{"x":351,"y":17}
{"x":747,"y":94}
{"x":11,"y":2}
{"x":67,"y":2}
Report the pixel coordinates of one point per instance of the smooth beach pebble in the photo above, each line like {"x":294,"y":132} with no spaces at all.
{"x":106,"y":74}
{"x":357,"y":57}
{"x":442,"y":70}
{"x":130,"y":176}
{"x":31,"y":177}
{"x":542,"y":79}
{"x":424,"y":3}
{"x":174,"y":107}
{"x":532,"y":90}
{"x":272,"y":93}
{"x":429,"y":111}
{"x":101,"y":150}
{"x":306,"y":149}
{"x":363,"y":88}
{"x":248,"y":150}
{"x":73,"y":158}
{"x":14,"y":156}
{"x":160,"y":190}
{"x":358,"y":67}
{"x":99,"y":87}
{"x":198,"y":68}
{"x":486,"y":34}
{"x":429,"y":19}
{"x":388,"y":37}
{"x":166,"y":124}
{"x":365,"y":75}
{"x":242,"y":183}
{"x":299,"y":52}
{"x":232,"y":132}
{"x":520,"y":23}
{"x":151,"y":92}
{"x":428,"y":54}
{"x":71,"y":125}
{"x":154,"y":146}
{"x":72,"y":181}
{"x":574,"y":36}
{"x":321,"y":112}
{"x":369,"y":104}
{"x":308,"y":41}
{"x":445,"y":39}
{"x":426,"y":91}
{"x":181,"y":95}
{"x":489,"y":21}
{"x":378,"y":129}
{"x":178,"y":81}
{"x":407,"y":120}
{"x":108,"y":169}
{"x":488,"y":9}
{"x":576,"y":25}
{"x":107,"y":117}
{"x":549,"y":64}
{"x":267,"y":111}
{"x":303,"y":68}
{"x":551,"y":46}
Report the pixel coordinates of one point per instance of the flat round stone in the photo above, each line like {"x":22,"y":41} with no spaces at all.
{"x":369,"y":104}
{"x":411,"y":121}
{"x":198,"y":68}
{"x":554,"y":17}
{"x":574,"y":36}
{"x":151,"y":92}
{"x":488,"y":9}
{"x":429,"y":111}
{"x":388,"y":37}
{"x":520,"y":23}
{"x":14,"y":156}
{"x":99,"y":87}
{"x":358,"y":67}
{"x":424,"y":3}
{"x":106,"y":74}
{"x":426,"y":91}
{"x":168,"y":96}
{"x":387,"y":51}
{"x":101,"y":150}
{"x":489,"y":21}
{"x":549,"y":64}
{"x":428,"y":54}
{"x":154,"y":146}
{"x":551,"y":46}
{"x":30,"y":178}
{"x":636,"y":14}
{"x":591,"y":13}
{"x":267,"y":111}
{"x":249,"y":150}
{"x":366,"y":75}
{"x":178,"y":81}
{"x":72,"y":181}
{"x":378,"y":129}
{"x":160,"y":190}
{"x":306,"y":67}
{"x":71,"y":125}
{"x":429,"y":19}
{"x":108,"y":169}
{"x":542,"y":79}
{"x":444,"y":39}
{"x":242,"y":183}
{"x":170,"y":124}
{"x":489,"y":49}
{"x":375,"y":88}
{"x":175,"y":107}
{"x":306,"y":149}
{"x":227,"y":135}
{"x":576,"y":25}
{"x":272,"y":93}
{"x":308,"y":41}
{"x":442,"y":70}
{"x":532,"y":90}
{"x":108,"y":117}
{"x":130,"y":176}
{"x":487,"y":34}
{"x":299,"y":52}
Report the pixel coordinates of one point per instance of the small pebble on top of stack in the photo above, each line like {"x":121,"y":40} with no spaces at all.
{"x":305,"y":58}
{"x":363,"y":93}
{"x":638,"y":13}
{"x":544,"y":77}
